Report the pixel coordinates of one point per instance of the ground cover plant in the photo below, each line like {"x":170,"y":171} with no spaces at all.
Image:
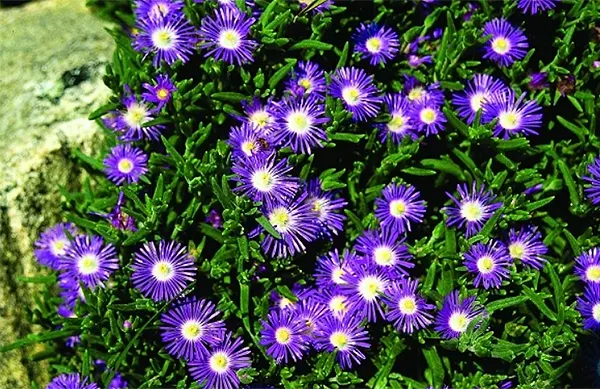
{"x":334,"y":194}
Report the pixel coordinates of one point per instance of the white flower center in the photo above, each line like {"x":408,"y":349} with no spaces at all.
{"x":299,"y":122}
{"x":229,"y":39}
{"x":397,"y":208}
{"x":260,"y":118}
{"x":191,"y":330}
{"x":407,"y":305}
{"x":88,"y":264}
{"x":280,"y":218}
{"x":397,"y":123}
{"x":58,"y":247}
{"x":285,"y":303}
{"x":485,"y":264}
{"x":337,"y":305}
{"x":517,"y":250}
{"x":337,"y":275}
{"x":163,"y":271}
{"x":163,"y":39}
{"x":416,"y":93}
{"x":471,"y":211}
{"x":476,"y":100}
{"x":248,"y":147}
{"x":374,"y":45}
{"x":351,"y":95}
{"x":501,"y":45}
{"x":509,"y":120}
{"x":592,"y":273}
{"x":384,"y":256}
{"x":219,"y":362}
{"x":458,"y":322}
{"x":263,"y":180}
{"x":125,"y":165}
{"x":370,"y":287}
{"x":339,"y":340}
{"x":596,"y":312}
{"x":162,"y":94}
{"x":136,"y":115}
{"x":428,"y":115}
{"x":283,"y":335}
{"x":305,"y":83}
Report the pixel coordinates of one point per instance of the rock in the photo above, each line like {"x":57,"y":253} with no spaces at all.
{"x":52,"y":57}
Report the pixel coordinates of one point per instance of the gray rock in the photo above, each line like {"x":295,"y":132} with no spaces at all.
{"x":52,"y":56}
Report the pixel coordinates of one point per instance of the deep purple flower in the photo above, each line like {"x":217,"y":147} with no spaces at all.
{"x":89,"y":260}
{"x":129,"y":123}
{"x":589,"y":307}
{"x":214,"y":218}
{"x":456,"y":315}
{"x":337,"y":302}
{"x":161,"y":92}
{"x":328,"y":208}
{"x":415,"y":91}
{"x":400,"y":124}
{"x":298,"y":122}
{"x":157,"y":9}
{"x":592,"y":192}
{"x":53,"y":244}
{"x":477,"y":91}
{"x":307,"y":79}
{"x":71,"y":381}
{"x":245,"y":142}
{"x":526,"y":245}
{"x":507,"y":43}
{"x":226,"y":36}
{"x":538,"y":81}
{"x":263,"y":179}
{"x":118,"y":218}
{"x":162,"y":271}
{"x":365,"y":286}
{"x":65,"y":311}
{"x":189,"y":327}
{"x":427,"y":116}
{"x":294,"y":220}
{"x":533,"y":190}
{"x":258,"y":115}
{"x":400,"y":206}
{"x":377,"y":43}
{"x":416,"y":61}
{"x":299,"y":293}
{"x":489,"y":262}
{"x":72,"y":341}
{"x":283,"y":335}
{"x":385,"y":250}
{"x":219,"y":368}
{"x":357,"y":90}
{"x":472,"y":209}
{"x":532,"y":6}
{"x":515,"y":115}
{"x":407,"y":310}
{"x":347,"y":337}
{"x":169,"y":39}
{"x":331,"y":268}
{"x":311,"y":312}
{"x":125,"y":163}
{"x":70,"y":292}
{"x":587,"y":266}
{"x":118,"y":382}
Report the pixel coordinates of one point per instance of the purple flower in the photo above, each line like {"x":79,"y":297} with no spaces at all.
{"x":400,"y":124}
{"x":336,"y":301}
{"x":592,"y":192}
{"x":589,"y":307}
{"x":416,"y":61}
{"x":169,"y":39}
{"x":400,"y":205}
{"x":219,"y":368}
{"x":72,"y":341}
{"x":71,"y":381}
{"x":161,"y":92}
{"x":283,"y":335}
{"x":157,"y":9}
{"x":70,"y":292}
{"x":587,"y":266}
{"x":189,"y":326}
{"x":245,"y":142}
{"x":318,"y":9}
{"x":129,"y":123}
{"x":262,"y":179}
{"x":379,"y":44}
{"x":357,"y":91}
{"x":298,"y":124}
{"x":53,"y":244}
{"x":385,"y":250}
{"x":89,"y":260}
{"x":118,"y":218}
{"x":427,"y":116}
{"x":328,"y":208}
{"x":214,"y":219}
{"x":526,"y":245}
{"x":472,"y":209}
{"x":162,"y":272}
{"x":307,"y":79}
{"x":532,"y":6}
{"x":489,"y":262}
{"x":311,"y":312}
{"x":259,"y":116}
{"x":533,"y":190}
{"x":294,"y":220}
{"x":331,"y":268}
{"x":477,"y":91}
{"x":365,"y":287}
{"x":125,"y":163}
{"x":515,"y":116}
{"x":507,"y":43}
{"x":456,"y":315}
{"x":415,"y":91}
{"x":298,"y":291}
{"x":407,"y":310}
{"x":538,"y":81}
{"x":225,"y":36}
{"x":118,"y":382}
{"x":347,"y":337}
